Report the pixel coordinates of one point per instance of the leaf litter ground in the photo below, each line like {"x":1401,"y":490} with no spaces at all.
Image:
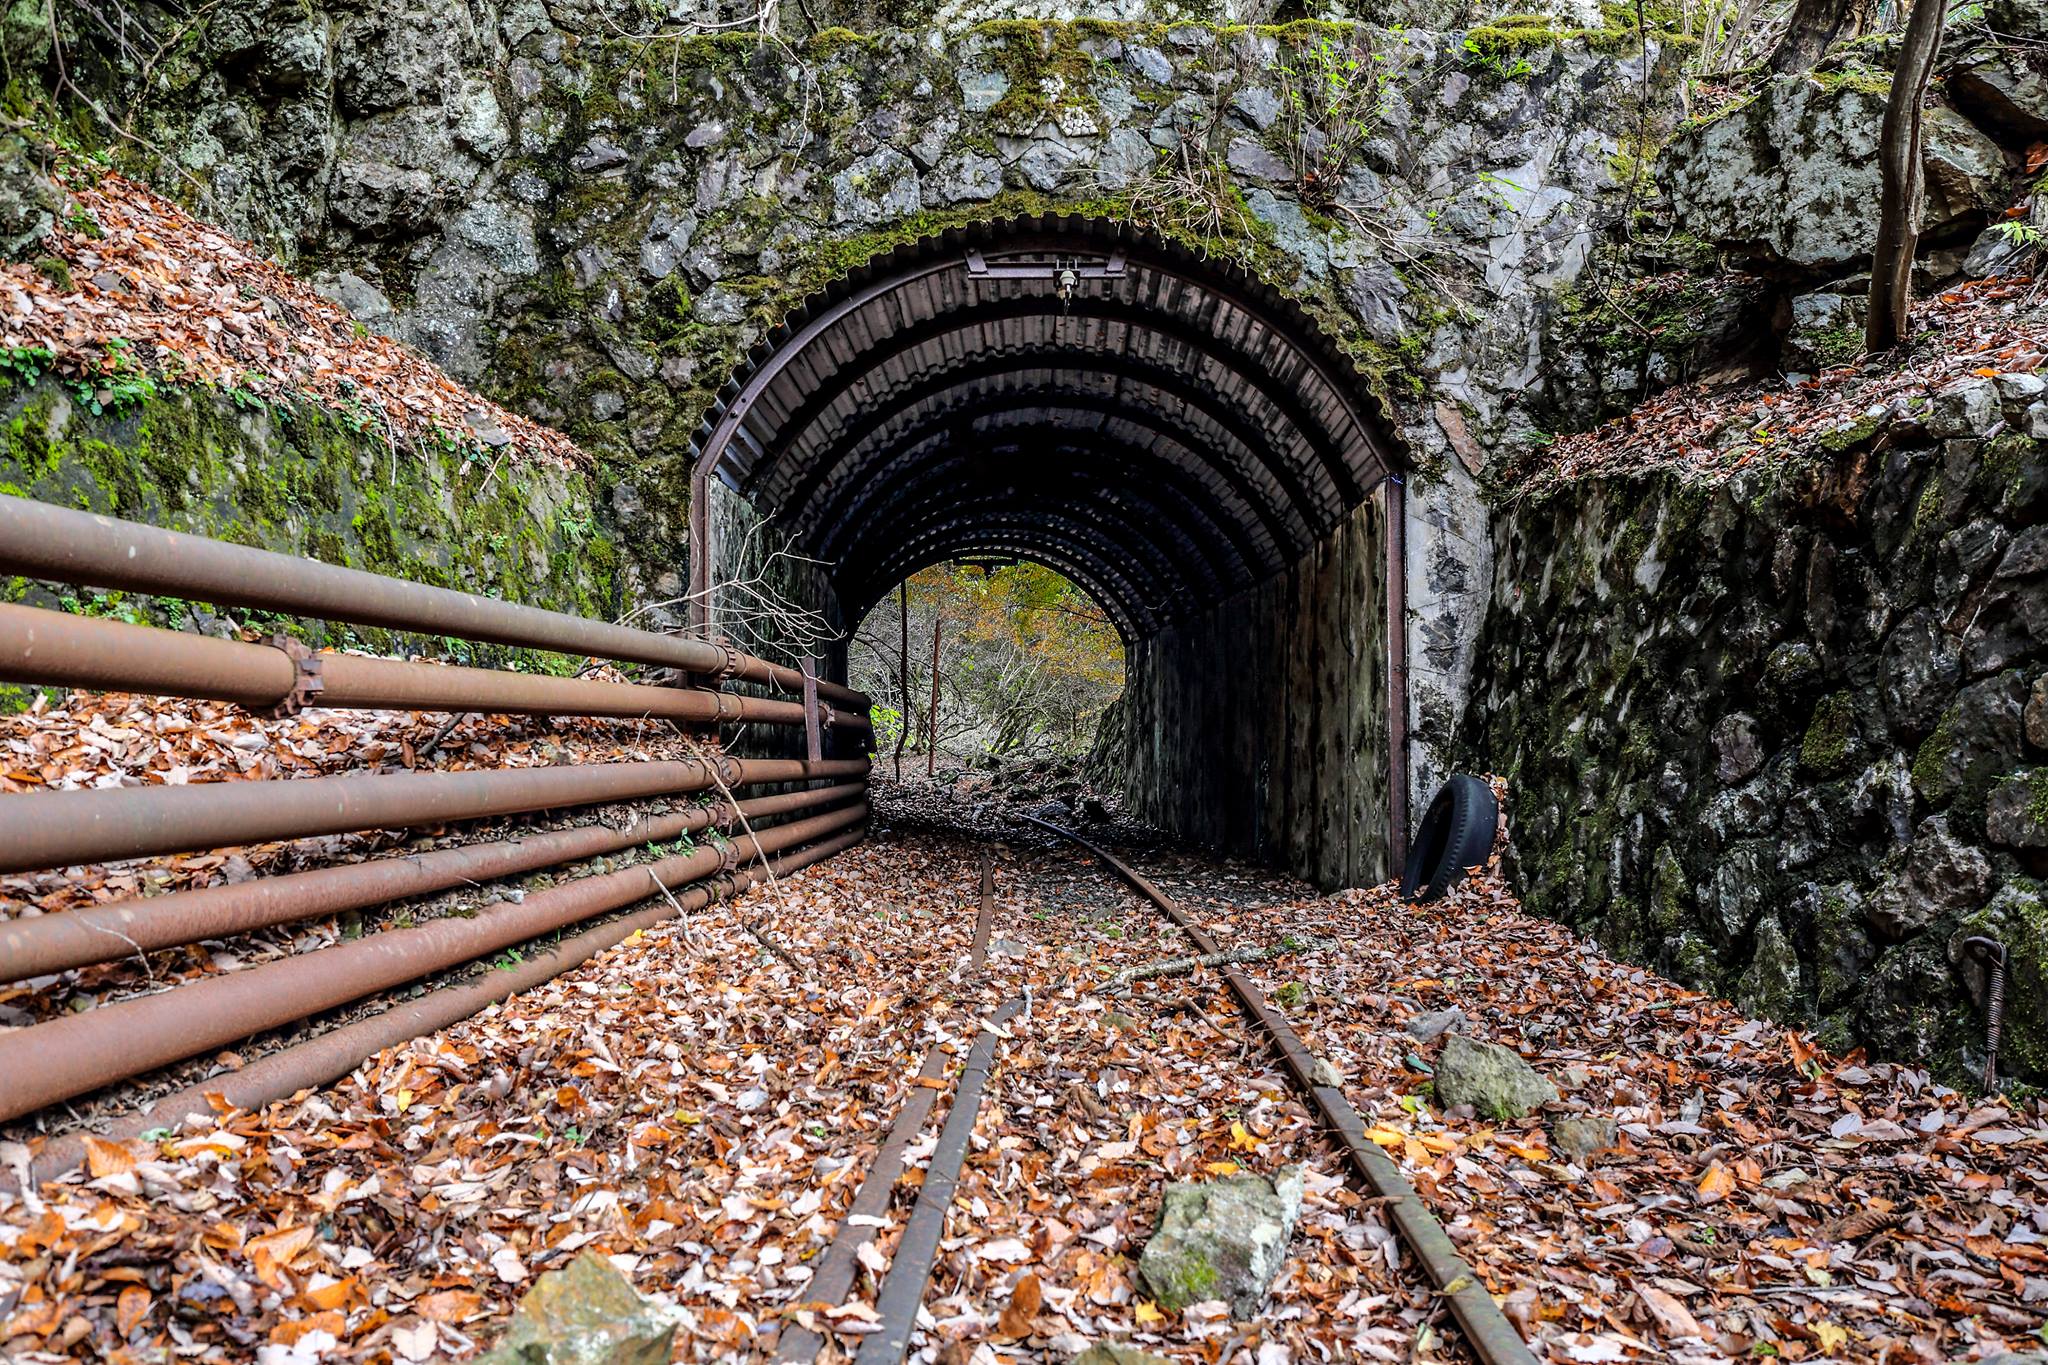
{"x":702,"y":1110}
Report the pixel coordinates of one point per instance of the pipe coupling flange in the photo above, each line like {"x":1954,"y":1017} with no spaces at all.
{"x":729,"y":707}
{"x":728,"y":855}
{"x":307,"y":683}
{"x":731,"y":663}
{"x":721,"y":813}
{"x":729,"y":771}
{"x":827,"y":716}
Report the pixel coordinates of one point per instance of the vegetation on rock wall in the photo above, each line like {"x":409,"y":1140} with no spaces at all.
{"x":1773,"y":736}
{"x":305,"y":481}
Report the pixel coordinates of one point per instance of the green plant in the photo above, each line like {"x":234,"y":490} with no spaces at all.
{"x":25,"y":365}
{"x":2019,"y":232}
{"x":887,"y":722}
{"x":1502,"y":65}
{"x":1334,"y":94}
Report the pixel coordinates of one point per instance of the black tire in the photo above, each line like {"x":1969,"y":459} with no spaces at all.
{"x":1456,"y":835}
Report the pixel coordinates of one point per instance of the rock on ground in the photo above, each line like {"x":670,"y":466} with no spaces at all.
{"x":1222,"y":1239}
{"x":586,"y":1313}
{"x":1580,"y":1136}
{"x":1427,"y":1028}
{"x":1117,"y":1353}
{"x":1493,"y":1079}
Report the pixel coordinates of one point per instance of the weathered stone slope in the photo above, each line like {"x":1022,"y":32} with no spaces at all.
{"x":1786,"y":736}
{"x":298,"y":478}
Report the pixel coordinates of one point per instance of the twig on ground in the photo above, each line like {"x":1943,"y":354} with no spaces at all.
{"x":1180,"y":966}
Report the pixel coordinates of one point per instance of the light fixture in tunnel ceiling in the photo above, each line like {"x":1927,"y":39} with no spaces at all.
{"x":1065,"y":272}
{"x":1024,"y":266}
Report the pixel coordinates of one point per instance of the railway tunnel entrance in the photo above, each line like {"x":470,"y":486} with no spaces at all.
{"x":1176,"y":437}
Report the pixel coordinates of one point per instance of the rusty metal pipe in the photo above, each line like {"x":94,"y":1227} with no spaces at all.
{"x":334,"y":1054}
{"x":53,"y":1061}
{"x":65,"y":829}
{"x":103,"y":933}
{"x":54,"y":648}
{"x":42,"y":541}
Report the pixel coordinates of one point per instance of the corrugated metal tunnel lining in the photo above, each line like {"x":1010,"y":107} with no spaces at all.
{"x":1166,"y":431}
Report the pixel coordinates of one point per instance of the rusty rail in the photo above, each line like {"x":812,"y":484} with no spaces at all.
{"x":103,"y":933}
{"x":56,"y":543}
{"x":916,"y":1250}
{"x":61,"y":1058}
{"x":59,"y":649}
{"x":67,"y":829}
{"x":334,"y":1054}
{"x":840,"y":1263}
{"x":1494,"y":1339}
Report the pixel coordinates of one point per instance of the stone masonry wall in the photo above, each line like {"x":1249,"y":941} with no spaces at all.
{"x":1789,"y":741}
{"x":593,"y":227}
{"x":1261,"y":727}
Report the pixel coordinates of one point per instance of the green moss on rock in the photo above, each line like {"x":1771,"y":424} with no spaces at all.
{"x":305,"y":480}
{"x":1825,"y":749}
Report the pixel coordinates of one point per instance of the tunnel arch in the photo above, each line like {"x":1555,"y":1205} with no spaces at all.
{"x":1165,"y":429}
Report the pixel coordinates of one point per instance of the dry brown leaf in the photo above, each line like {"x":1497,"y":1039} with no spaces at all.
{"x":104,"y":1158}
{"x":130,"y":1308}
{"x":1671,"y":1315}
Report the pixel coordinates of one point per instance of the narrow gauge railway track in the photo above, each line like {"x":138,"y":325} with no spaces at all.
{"x":902,"y":1293}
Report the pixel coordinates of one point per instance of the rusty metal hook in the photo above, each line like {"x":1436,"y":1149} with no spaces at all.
{"x":1991,"y":952}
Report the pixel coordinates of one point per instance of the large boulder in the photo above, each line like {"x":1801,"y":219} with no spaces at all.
{"x":1222,"y":1239}
{"x":1790,"y":176}
{"x":1939,"y":874}
{"x":2000,"y":87}
{"x":1493,"y":1079}
{"x":2017,"y":814}
{"x":586,"y":1313}
{"x":1770,"y":986}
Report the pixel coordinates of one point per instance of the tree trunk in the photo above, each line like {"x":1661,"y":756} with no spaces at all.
{"x":902,"y":669}
{"x":1898,"y":222}
{"x":931,"y":751}
{"x":1816,"y":26}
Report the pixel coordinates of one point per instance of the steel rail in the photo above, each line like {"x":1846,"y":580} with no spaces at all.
{"x":104,"y":933}
{"x":1493,"y":1337}
{"x":55,"y":648}
{"x":67,"y":829}
{"x":38,"y":540}
{"x":48,"y":1062}
{"x":985,"y":920}
{"x":840,"y":1263}
{"x":332,"y":1055}
{"x":911,"y":1266}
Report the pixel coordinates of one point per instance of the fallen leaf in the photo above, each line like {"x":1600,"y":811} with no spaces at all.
{"x":1671,"y":1315}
